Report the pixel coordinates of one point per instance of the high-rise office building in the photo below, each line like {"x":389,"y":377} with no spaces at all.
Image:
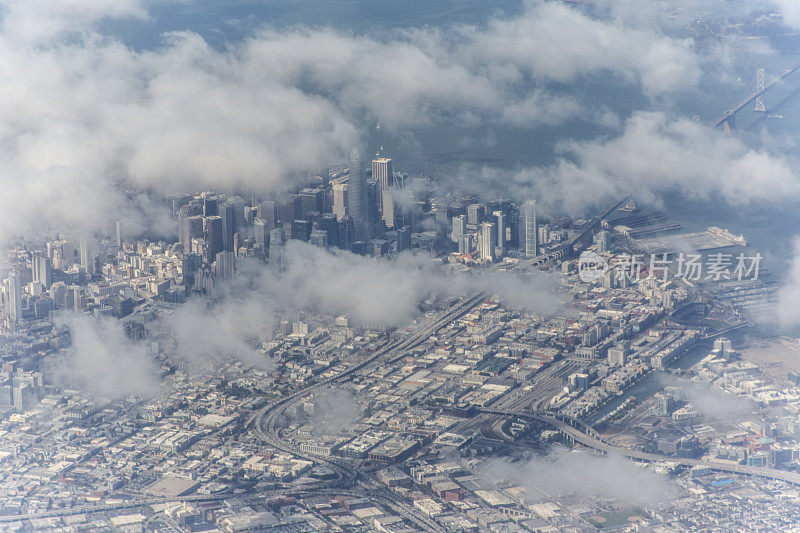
{"x":225,"y":265}
{"x":403,"y":238}
{"x":190,"y":264}
{"x":529,"y":229}
{"x":357,"y":196}
{"x":319,"y":238}
{"x":74,"y":299}
{"x":261,"y":232}
{"x":459,"y":228}
{"x":276,"y":249}
{"x":601,"y":240}
{"x":14,"y":294}
{"x":291,"y":208}
{"x":67,"y":254}
{"x":213,"y":235}
{"x":382,"y":174}
{"x":346,"y":232}
{"x":327,"y":223}
{"x":58,"y":292}
{"x":544,"y":234}
{"x":227,"y":212}
{"x":388,"y":209}
{"x":312,"y":199}
{"x":301,"y":230}
{"x":88,"y":255}
{"x":191,"y":228}
{"x":210,"y":207}
{"x":465,"y":244}
{"x":269,"y":212}
{"x":475,"y":214}
{"x":41,"y":270}
{"x":500,"y":220}
{"x":119,"y":233}
{"x":339,"y":200}
{"x":371,"y":213}
{"x":488,"y":241}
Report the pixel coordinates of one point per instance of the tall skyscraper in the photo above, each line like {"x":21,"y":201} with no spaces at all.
{"x":339,"y":200}
{"x":459,"y":228}
{"x":371,"y":208}
{"x":382,"y":173}
{"x":213,"y":235}
{"x":500,"y":220}
{"x":191,"y":228}
{"x":268,"y":210}
{"x":404,"y":238}
{"x":190,"y":265}
{"x":210,"y":207}
{"x":488,"y":241}
{"x":291,"y":208}
{"x":312,"y":199}
{"x":530,"y":230}
{"x":14,"y":292}
{"x":475,"y":214}
{"x":601,"y":240}
{"x":42,"y":272}
{"x":227,"y":213}
{"x":119,"y":233}
{"x":357,"y":196}
{"x":346,"y":239}
{"x":67,"y":254}
{"x":88,"y":256}
{"x":388,"y":209}
{"x":261,"y":232}
{"x":277,"y":240}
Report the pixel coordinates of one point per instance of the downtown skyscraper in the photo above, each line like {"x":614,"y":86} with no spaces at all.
{"x":530,"y":230}
{"x":357,"y":196}
{"x":383,"y":175}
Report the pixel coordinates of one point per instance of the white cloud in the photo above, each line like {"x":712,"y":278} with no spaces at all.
{"x":388,"y":293}
{"x":563,"y":473}
{"x":384,"y":293}
{"x":790,"y":9}
{"x":235,"y":328}
{"x":103,"y":360}
{"x":788,"y":306}
{"x":654,"y":155}
{"x":40,"y":20}
{"x":554,"y":41}
{"x":81,"y":113}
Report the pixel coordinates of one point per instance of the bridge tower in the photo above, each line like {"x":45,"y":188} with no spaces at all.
{"x":760,"y":107}
{"x":729,"y":124}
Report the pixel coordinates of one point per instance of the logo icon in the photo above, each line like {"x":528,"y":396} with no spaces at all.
{"x":591,"y":267}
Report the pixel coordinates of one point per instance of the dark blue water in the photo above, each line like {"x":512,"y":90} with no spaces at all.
{"x":221,"y":22}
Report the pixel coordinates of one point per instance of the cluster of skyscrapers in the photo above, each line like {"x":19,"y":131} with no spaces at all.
{"x":493,"y":229}
{"x":366,"y":209}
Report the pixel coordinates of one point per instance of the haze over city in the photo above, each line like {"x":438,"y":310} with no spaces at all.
{"x":354,"y":265}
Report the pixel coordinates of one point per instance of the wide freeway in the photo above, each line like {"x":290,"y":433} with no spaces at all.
{"x":265,"y":421}
{"x":577,"y":432}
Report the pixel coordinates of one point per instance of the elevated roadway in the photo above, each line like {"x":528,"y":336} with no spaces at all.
{"x":578,"y":432}
{"x":267,"y":421}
